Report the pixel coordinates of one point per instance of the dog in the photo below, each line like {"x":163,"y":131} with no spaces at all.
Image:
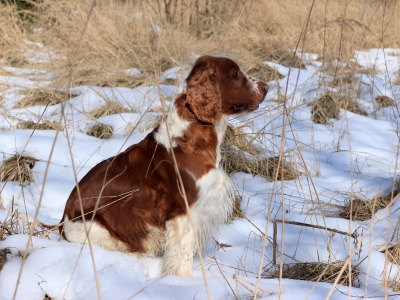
{"x":157,"y":195}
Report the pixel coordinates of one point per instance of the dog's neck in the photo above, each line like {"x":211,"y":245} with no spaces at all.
{"x":178,"y":120}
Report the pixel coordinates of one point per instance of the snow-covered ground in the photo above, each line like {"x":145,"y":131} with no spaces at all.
{"x":352,"y":155}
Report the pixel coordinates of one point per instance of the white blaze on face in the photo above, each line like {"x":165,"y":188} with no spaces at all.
{"x":254,"y":82}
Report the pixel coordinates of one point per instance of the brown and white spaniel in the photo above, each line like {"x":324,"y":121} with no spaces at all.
{"x":134,"y":202}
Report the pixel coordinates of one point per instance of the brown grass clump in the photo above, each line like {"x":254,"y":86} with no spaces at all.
{"x":276,"y":51}
{"x":394,"y":258}
{"x":17,"y":168}
{"x":96,"y":77}
{"x":343,"y":79}
{"x":384,"y":101}
{"x":235,"y":136}
{"x":362,"y":210}
{"x":108,"y":109}
{"x":43,"y":97}
{"x":47,"y":125}
{"x":237,"y":212}
{"x":323,"y":109}
{"x":319,"y":272}
{"x":394,"y":285}
{"x":394,"y":254}
{"x":351,"y":105}
{"x":264,"y":72}
{"x":3,"y":257}
{"x":241,"y":155}
{"x":101,"y":131}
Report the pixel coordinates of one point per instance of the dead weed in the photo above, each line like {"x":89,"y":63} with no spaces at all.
{"x":43,"y":97}
{"x":46,"y":125}
{"x":17,"y":168}
{"x":239,"y":154}
{"x":323,"y":109}
{"x":108,"y":109}
{"x":317,"y":271}
{"x":101,"y":131}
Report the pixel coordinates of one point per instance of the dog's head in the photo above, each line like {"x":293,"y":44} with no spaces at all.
{"x":217,"y":86}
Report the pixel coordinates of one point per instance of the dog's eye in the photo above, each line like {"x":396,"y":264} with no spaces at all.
{"x":236,"y":75}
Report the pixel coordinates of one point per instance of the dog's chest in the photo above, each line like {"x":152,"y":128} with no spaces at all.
{"x":214,"y":204}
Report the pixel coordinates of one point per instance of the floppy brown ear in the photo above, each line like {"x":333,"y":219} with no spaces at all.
{"x":203,"y":95}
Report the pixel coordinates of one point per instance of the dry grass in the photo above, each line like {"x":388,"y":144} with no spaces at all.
{"x":352,"y":105}
{"x":328,"y":107}
{"x":3,"y":257}
{"x":237,"y":212}
{"x":318,"y":271}
{"x":43,"y":97}
{"x":264,"y":72}
{"x":384,"y":101}
{"x":108,"y":109}
{"x":361,"y":210}
{"x":394,"y":254}
{"x":394,"y":257}
{"x":251,"y":32}
{"x":323,"y":109}
{"x":109,"y":78}
{"x":345,"y":79}
{"x":13,"y":225}
{"x":46,"y":125}
{"x":17,"y":168}
{"x":101,"y":131}
{"x":239,"y":154}
{"x":394,"y":285}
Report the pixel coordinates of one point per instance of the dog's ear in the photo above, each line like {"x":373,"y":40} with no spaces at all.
{"x":203,"y":94}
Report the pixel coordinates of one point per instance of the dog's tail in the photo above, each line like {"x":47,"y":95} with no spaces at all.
{"x":25,"y":219}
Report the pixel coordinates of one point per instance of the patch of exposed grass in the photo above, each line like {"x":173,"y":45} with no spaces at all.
{"x":108,"y":109}
{"x":239,"y":154}
{"x":384,"y":101}
{"x":361,"y":210}
{"x":235,"y":136}
{"x":323,"y":109}
{"x":17,"y":168}
{"x":46,"y":125}
{"x":394,"y":258}
{"x":17,"y":61}
{"x":319,"y":272}
{"x":101,"y":131}
{"x":394,"y":285}
{"x":341,"y":80}
{"x":96,"y":77}
{"x":264,"y":72}
{"x":275,"y":53}
{"x":351,"y":105}
{"x":43,"y":97}
{"x":237,"y":212}
{"x":394,"y":254}
{"x":3,"y":256}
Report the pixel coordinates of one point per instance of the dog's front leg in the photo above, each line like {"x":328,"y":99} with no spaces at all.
{"x":178,"y":247}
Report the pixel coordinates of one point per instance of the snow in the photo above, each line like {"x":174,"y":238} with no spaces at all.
{"x":352,"y":155}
